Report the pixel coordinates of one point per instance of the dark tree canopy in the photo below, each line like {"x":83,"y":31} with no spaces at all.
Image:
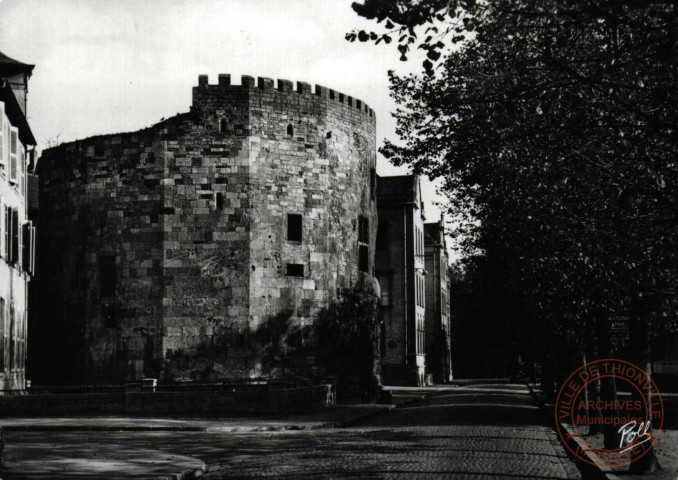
{"x":552,"y":124}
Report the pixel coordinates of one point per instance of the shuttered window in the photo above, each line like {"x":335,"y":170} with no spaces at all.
{"x":3,"y":141}
{"x":7,"y":233}
{"x":13,"y":155}
{"x":15,"y":237}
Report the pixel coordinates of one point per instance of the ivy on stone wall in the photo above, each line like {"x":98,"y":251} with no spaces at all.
{"x":346,"y":335}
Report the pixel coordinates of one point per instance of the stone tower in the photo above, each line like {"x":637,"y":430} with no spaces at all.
{"x":203,"y":247}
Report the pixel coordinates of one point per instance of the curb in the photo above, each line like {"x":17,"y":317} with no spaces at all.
{"x":366,"y":415}
{"x":600,"y":470}
{"x":208,"y":429}
{"x":300,"y":426}
{"x":185,"y":475}
{"x":99,"y":428}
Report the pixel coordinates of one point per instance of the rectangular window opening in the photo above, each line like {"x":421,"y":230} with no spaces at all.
{"x":15,"y":237}
{"x":364,"y":230}
{"x":295,"y":270}
{"x":364,"y":258}
{"x":108,"y":312}
{"x":13,"y":156}
{"x":294,"y":227}
{"x":107,"y":275}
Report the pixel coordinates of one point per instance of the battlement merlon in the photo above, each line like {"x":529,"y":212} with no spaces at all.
{"x":302,"y":88}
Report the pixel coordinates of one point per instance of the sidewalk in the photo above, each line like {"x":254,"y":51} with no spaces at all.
{"x":666,"y":448}
{"x":82,"y":457}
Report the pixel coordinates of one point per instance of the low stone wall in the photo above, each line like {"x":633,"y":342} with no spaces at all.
{"x":62,"y":404}
{"x":268,"y":399}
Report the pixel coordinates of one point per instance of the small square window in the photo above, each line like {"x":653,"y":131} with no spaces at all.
{"x":294,"y":227}
{"x":295,"y":270}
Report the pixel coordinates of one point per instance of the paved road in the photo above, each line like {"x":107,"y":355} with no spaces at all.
{"x":478,"y":432}
{"x":475,"y":432}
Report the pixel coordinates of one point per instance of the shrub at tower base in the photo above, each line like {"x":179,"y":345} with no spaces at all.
{"x":346,"y":343}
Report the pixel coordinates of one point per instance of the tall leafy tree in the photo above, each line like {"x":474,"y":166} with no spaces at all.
{"x":552,"y":124}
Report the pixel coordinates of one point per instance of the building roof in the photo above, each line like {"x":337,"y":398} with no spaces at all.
{"x":10,"y":67}
{"x":434,"y":233}
{"x":397,"y":189}
{"x":16,"y":115}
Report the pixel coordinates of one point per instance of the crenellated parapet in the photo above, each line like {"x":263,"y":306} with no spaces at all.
{"x":320,"y":92}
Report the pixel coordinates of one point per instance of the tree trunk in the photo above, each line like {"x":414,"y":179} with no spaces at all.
{"x":593,"y":387}
{"x":608,"y":385}
{"x":639,"y":348}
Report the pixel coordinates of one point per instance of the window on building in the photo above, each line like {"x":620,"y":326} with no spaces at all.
{"x":12,"y":337}
{"x":294,"y":227}
{"x":290,"y":130}
{"x":108,"y":312}
{"x":385,"y":285}
{"x":364,"y":230}
{"x":22,"y":173}
{"x":14,"y":256}
{"x":220,"y":201}
{"x":28,"y":247}
{"x":420,"y":335}
{"x":3,"y":334}
{"x":107,"y":275}
{"x":416,"y":242}
{"x":8,"y":233}
{"x":295,"y":270}
{"x":6,"y":157}
{"x":223,"y":125}
{"x":13,"y":154}
{"x":2,"y":230}
{"x":364,"y":258}
{"x":2,"y":138}
{"x":416,"y":290}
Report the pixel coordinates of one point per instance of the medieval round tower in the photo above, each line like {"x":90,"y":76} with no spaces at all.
{"x":181,"y":250}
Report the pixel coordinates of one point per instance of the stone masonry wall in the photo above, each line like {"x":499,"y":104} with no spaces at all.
{"x":194,"y":210}
{"x":100,"y":198}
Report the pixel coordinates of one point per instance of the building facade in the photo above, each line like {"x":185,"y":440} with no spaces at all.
{"x":179,"y":251}
{"x":17,"y":245}
{"x":400,"y":269}
{"x":438,"y":341}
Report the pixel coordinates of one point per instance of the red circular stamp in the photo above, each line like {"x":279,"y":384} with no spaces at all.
{"x":636,"y":415}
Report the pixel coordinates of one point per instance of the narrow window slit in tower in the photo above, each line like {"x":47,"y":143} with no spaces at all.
{"x":290,"y":130}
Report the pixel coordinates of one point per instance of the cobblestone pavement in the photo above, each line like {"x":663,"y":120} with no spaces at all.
{"x":468,"y":433}
{"x":473,"y":433}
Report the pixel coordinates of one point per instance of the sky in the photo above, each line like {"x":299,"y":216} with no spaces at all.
{"x":107,"y":66}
